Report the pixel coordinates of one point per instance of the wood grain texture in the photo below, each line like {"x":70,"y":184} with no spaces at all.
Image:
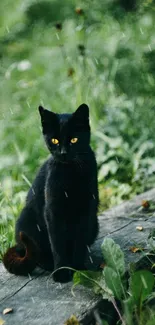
{"x":38,"y":300}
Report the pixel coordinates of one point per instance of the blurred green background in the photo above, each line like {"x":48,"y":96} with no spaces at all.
{"x":60,"y":54}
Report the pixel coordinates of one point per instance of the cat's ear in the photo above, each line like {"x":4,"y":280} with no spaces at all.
{"x":47,"y":118}
{"x":41,"y":110}
{"x":44,"y":113}
{"x":82,"y":112}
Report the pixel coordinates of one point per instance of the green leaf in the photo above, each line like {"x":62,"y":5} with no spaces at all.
{"x":128,"y":309}
{"x":103,"y":289}
{"x":93,"y":280}
{"x":113,"y":281}
{"x":104,"y":322}
{"x":151,"y":321}
{"x":113,"y":256}
{"x":148,"y":315}
{"x":141,"y":285}
{"x":86,"y":278}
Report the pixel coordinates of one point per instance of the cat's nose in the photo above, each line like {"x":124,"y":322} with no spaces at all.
{"x":63,"y":151}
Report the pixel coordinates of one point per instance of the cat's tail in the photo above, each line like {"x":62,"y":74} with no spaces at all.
{"x":22,"y":258}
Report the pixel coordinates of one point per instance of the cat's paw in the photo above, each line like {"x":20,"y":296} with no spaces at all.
{"x":63,"y":276}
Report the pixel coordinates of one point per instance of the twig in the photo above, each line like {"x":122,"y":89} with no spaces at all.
{"x":120,"y":316}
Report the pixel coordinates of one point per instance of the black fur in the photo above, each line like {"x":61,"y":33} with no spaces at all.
{"x":61,"y":207}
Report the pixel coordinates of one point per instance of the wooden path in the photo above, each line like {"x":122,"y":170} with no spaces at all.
{"x":38,"y":300}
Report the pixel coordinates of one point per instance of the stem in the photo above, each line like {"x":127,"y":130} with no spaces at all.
{"x":115,"y":306}
{"x":140,"y":309}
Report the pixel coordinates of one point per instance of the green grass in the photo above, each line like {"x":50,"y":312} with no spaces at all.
{"x":115,"y":77}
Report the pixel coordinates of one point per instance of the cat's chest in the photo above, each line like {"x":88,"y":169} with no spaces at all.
{"x":68,"y":182}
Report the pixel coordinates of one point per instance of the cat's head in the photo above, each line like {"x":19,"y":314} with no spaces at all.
{"x":66,"y":135}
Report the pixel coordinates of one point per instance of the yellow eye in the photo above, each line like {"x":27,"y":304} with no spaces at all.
{"x":74,"y":140}
{"x":55,"y":141}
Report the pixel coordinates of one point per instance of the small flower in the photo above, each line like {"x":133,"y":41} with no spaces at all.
{"x":58,"y":26}
{"x":79,"y":11}
{"x":71,"y":71}
{"x":81,"y":48}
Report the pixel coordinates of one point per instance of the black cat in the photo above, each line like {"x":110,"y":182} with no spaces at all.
{"x":59,"y":219}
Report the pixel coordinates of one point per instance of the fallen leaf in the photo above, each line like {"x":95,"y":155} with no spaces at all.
{"x":72,"y":321}
{"x":7,"y":311}
{"x":1,"y":321}
{"x":145,"y":204}
{"x":140,"y":228}
{"x":136,"y":249}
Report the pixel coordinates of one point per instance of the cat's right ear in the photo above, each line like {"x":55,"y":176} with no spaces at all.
{"x":44,"y":113}
{"x":47,"y":118}
{"x":41,"y":111}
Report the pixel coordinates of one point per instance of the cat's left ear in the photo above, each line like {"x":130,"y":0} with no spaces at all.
{"x":82,"y":112}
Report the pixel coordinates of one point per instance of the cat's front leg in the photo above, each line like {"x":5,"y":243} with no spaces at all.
{"x":58,"y":241}
{"x":80,"y":248}
{"x":80,"y":251}
{"x":61,"y":272}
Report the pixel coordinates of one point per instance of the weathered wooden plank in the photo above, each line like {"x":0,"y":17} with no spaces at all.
{"x":39,"y":300}
{"x":120,"y":224}
{"x":128,"y":207}
{"x":10,"y":284}
{"x":44,"y":302}
{"x":127,"y":237}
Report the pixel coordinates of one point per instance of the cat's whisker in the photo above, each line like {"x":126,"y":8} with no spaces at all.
{"x":82,"y":163}
{"x":77,"y":162}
